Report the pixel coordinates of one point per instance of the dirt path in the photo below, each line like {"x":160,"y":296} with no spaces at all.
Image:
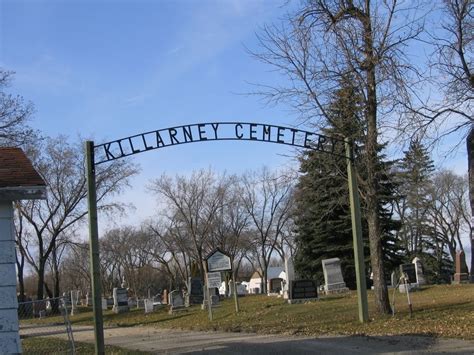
{"x":163,"y":341}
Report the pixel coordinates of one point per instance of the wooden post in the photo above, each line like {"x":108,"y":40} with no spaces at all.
{"x":236,"y":300}
{"x":357,"y":235}
{"x":94,"y":249}
{"x":208,"y":293}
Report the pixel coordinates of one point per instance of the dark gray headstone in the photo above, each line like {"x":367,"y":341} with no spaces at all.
{"x":303,"y":289}
{"x":409,"y":271}
{"x":176,"y":299}
{"x":195,"y":290}
{"x":120,"y":300}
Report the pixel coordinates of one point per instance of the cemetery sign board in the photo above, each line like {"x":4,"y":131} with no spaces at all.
{"x":214,"y":279}
{"x":217,"y":260}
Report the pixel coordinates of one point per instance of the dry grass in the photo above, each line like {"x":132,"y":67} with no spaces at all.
{"x":440,"y":311}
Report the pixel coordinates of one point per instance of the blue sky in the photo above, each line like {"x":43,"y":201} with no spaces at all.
{"x":112,"y":69}
{"x":109,"y":69}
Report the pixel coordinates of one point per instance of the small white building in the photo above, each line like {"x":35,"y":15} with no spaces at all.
{"x":275,"y":277}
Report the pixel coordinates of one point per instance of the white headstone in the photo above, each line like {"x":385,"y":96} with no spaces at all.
{"x":420,"y":278}
{"x":104,"y":304}
{"x":289,"y":276}
{"x":334,"y":282}
{"x":148,"y":305}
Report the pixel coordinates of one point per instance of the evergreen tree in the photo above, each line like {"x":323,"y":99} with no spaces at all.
{"x":323,"y":220}
{"x":418,"y":235}
{"x":414,"y":176}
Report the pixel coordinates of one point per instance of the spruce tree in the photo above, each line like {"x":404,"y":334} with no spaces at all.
{"x":322,"y":218}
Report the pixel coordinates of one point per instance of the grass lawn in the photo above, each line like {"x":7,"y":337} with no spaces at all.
{"x":40,"y":345}
{"x":441,"y":311}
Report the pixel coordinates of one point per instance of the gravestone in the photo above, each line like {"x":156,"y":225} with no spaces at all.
{"x":409,"y":271}
{"x":215,"y":299}
{"x":140,"y":303}
{"x":241,"y":290}
{"x":420,"y":278}
{"x":176,"y":301}
{"x":104,"y":304}
{"x":302,"y":291}
{"x":120,"y":300}
{"x":289,"y":276}
{"x":334,"y":282}
{"x":164,"y":298}
{"x":195,"y":291}
{"x":132,"y":302}
{"x":148,"y":303}
{"x":461,"y":275}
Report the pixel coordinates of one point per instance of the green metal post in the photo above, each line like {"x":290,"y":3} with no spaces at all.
{"x":94,"y":249}
{"x":357,"y":235}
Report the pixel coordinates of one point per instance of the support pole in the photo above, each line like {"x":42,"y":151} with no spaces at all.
{"x":234,"y":286}
{"x":94,"y":250}
{"x":208,"y":293}
{"x":357,"y":235}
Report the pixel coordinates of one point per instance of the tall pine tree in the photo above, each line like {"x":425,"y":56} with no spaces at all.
{"x":323,"y":221}
{"x":418,"y":235}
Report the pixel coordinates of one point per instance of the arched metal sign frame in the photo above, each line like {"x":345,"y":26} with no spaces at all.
{"x":216,"y":131}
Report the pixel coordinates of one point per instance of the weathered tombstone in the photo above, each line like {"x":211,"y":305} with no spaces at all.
{"x":302,"y":291}
{"x":132,"y":302}
{"x":148,"y":303}
{"x":420,"y":278}
{"x":120,"y":300}
{"x":164,"y":298}
{"x":289,"y":276}
{"x":104,"y":304}
{"x":461,"y":275}
{"x":334,"y":282}
{"x":140,"y":303}
{"x":195,"y":291}
{"x":176,"y":301}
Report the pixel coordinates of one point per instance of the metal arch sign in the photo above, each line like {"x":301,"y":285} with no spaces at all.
{"x":216,"y":131}
{"x":202,"y":132}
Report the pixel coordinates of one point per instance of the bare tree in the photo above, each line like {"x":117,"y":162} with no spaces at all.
{"x":267,"y":198}
{"x":169,"y":245}
{"x":328,"y":40}
{"x":449,"y":210}
{"x":193,"y":203}
{"x":452,"y":72}
{"x":61,"y":165}
{"x":75,"y":274}
{"x":14,"y":114}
